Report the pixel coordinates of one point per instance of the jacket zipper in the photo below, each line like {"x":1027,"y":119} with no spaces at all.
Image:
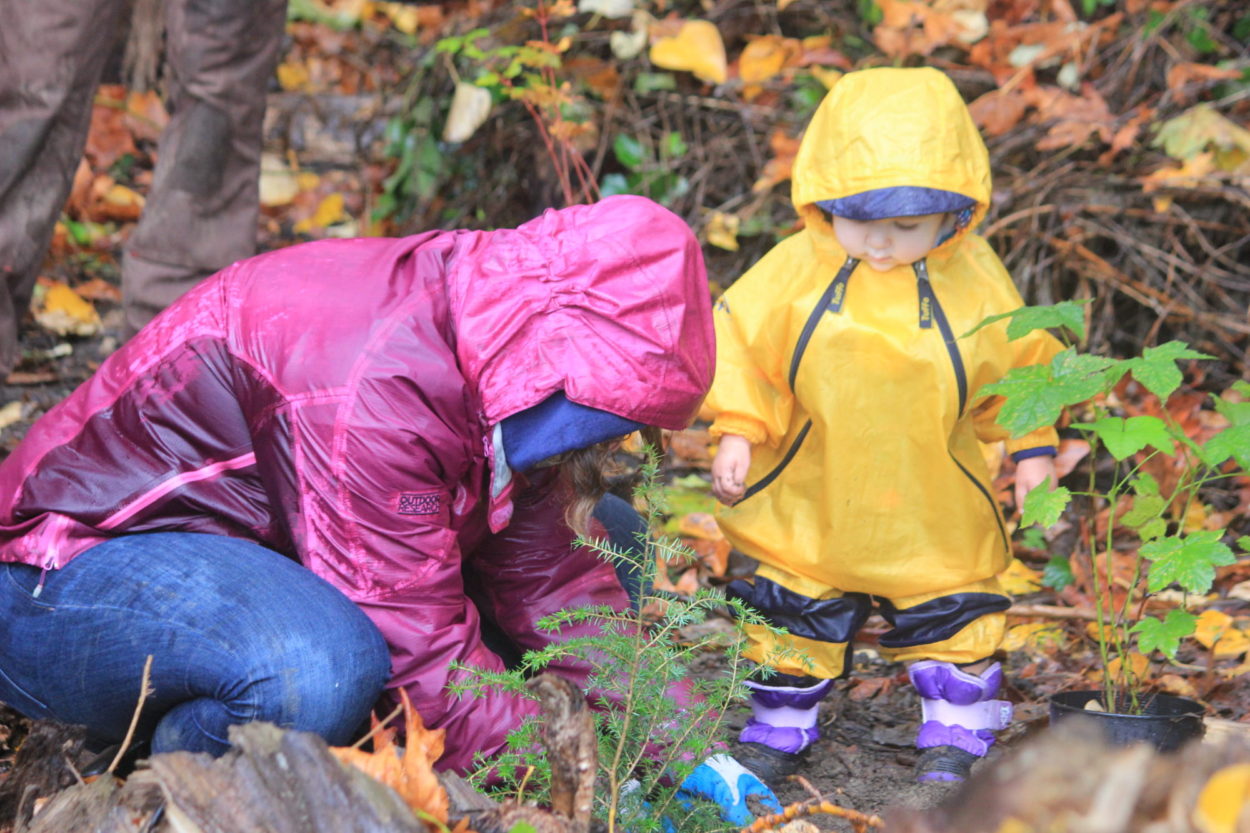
{"x":830,"y":301}
{"x":931,"y":312}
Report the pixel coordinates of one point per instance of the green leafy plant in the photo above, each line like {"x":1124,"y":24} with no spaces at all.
{"x":1144,"y":517}
{"x":650,"y":170}
{"x":648,"y":740}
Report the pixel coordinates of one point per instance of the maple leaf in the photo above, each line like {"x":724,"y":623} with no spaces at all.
{"x":1164,"y":635}
{"x":1189,"y":561}
{"x":998,"y":111}
{"x":410,"y":770}
{"x":1201,"y":129}
{"x":1044,"y":505}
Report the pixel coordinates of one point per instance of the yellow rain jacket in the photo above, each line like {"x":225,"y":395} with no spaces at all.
{"x":856,"y":391}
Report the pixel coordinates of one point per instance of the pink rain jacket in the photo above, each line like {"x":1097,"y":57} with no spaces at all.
{"x":335,"y":401}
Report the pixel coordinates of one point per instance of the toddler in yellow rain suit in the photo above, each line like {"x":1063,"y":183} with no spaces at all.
{"x":848,"y":422}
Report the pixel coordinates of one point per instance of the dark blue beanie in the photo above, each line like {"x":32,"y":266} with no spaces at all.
{"x":896,"y":201}
{"x":555,"y":426}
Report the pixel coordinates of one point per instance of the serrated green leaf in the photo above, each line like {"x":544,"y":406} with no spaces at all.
{"x":1233,"y":441}
{"x":1156,"y":367}
{"x":1145,"y":484}
{"x":1057,"y":574}
{"x":1145,"y":508}
{"x":1044,"y":506}
{"x":1153,"y":529}
{"x":1035,"y":395}
{"x":1125,"y":437}
{"x":1027,"y":319}
{"x":1164,"y":636}
{"x":1244,"y":543}
{"x":1189,"y":561}
{"x":1238,"y":413}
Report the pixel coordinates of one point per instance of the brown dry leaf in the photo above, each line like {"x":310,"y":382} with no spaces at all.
{"x":868,"y":687}
{"x":98,"y":289}
{"x":146,"y":115}
{"x":779,"y":167}
{"x":110,"y":201}
{"x":109,"y":137}
{"x":1181,"y":74}
{"x":1176,"y":684}
{"x":1077,"y":117}
{"x":598,"y":76}
{"x":691,"y":446}
{"x":998,"y":111}
{"x":696,"y":48}
{"x":714,"y":555}
{"x":79,"y":201}
{"x":701,"y":525}
{"x":408,"y":771}
{"x":1126,"y":135}
{"x":293,"y":75}
{"x":1190,"y":174}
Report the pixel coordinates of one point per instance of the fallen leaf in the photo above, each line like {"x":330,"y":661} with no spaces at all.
{"x":63,"y":311}
{"x":1223,"y":800}
{"x":278,"y":183}
{"x":722,"y":231}
{"x":408,"y":771}
{"x":778,"y":168}
{"x":764,"y":57}
{"x":1019,"y":580}
{"x":1202,"y":129}
{"x":1032,"y":637}
{"x":10,"y":413}
{"x":98,"y":289}
{"x":1216,"y":631}
{"x":329,"y":211}
{"x":1176,"y":684}
{"x":470,"y":107}
{"x":292,"y":75}
{"x":1189,"y":73}
{"x":696,"y":48}
{"x":700,"y":525}
{"x":607,"y":8}
{"x":998,"y":111}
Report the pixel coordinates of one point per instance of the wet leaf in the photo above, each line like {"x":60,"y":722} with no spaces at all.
{"x":1156,"y":367}
{"x":1202,"y":129}
{"x":1125,"y":437}
{"x":1037,"y":394}
{"x":1033,"y":637}
{"x":1223,"y":800}
{"x":696,"y":48}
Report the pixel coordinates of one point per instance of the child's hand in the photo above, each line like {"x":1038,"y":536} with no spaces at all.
{"x":729,"y":469}
{"x":1030,"y":472}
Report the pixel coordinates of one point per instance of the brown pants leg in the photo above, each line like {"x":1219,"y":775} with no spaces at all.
{"x":51,"y":55}
{"x":202,"y":209}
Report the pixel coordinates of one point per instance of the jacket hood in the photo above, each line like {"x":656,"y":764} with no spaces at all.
{"x":890,"y":128}
{"x":607,"y":302}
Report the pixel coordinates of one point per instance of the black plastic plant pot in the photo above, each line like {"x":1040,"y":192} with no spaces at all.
{"x":1167,"y":723}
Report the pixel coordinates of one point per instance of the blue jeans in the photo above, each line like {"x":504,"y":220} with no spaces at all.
{"x":237,"y":633}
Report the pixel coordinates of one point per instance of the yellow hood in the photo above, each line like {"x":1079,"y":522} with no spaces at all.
{"x":883,"y":128}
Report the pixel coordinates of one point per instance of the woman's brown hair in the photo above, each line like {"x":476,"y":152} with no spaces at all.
{"x":584,"y":474}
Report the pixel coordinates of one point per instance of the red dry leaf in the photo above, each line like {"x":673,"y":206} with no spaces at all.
{"x":998,"y":111}
{"x":1076,"y":117}
{"x":1190,"y":73}
{"x":778,"y":168}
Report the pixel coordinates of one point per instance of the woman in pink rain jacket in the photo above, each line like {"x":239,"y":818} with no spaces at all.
{"x":372,"y":410}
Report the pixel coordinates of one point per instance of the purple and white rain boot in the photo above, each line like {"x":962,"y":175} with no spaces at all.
{"x":783,"y":725}
{"x":960,"y":717}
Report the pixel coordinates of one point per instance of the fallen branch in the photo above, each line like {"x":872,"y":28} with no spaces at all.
{"x":814,"y":807}
{"x":1052,"y":612}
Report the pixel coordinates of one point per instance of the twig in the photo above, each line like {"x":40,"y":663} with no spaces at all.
{"x":1051,"y":612}
{"x":144,"y":691}
{"x":859,"y":821}
{"x":381,"y":725}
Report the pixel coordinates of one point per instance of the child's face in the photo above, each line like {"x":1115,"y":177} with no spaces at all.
{"x":894,"y":241}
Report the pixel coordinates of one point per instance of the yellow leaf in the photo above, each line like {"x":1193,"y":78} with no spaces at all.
{"x":722,"y":231}
{"x":1019,"y":580}
{"x":292,"y":76}
{"x":65,"y":312}
{"x":697,"y":48}
{"x":1032,"y":636}
{"x":1223,"y":799}
{"x":470,"y":105}
{"x":329,"y":212}
{"x":410,"y":771}
{"x":10,"y":413}
{"x":403,"y":17}
{"x":1178,"y":685}
{"x":124,"y":197}
{"x":827,"y":77}
{"x":1139,"y":664}
{"x":1215,"y":630}
{"x":307,"y":180}
{"x":765,"y":56}
{"x":278,"y":185}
